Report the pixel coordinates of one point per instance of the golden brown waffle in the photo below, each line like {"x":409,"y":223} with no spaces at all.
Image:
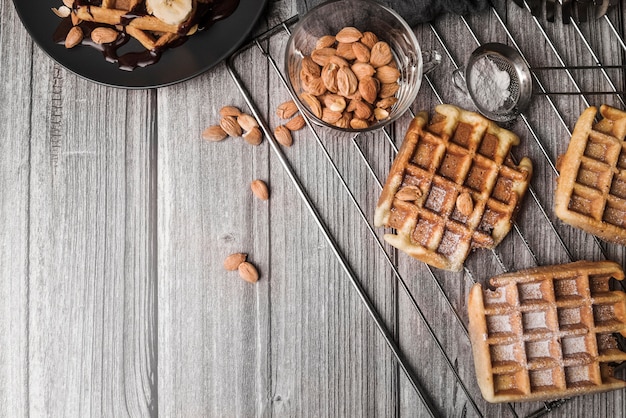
{"x":591,"y":188}
{"x":547,"y":333}
{"x":452,"y":187}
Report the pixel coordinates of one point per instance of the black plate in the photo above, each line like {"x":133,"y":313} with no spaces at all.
{"x":198,"y":54}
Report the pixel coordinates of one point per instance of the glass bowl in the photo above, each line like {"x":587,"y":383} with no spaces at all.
{"x":366,"y":15}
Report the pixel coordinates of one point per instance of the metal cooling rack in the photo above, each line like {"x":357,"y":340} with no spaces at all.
{"x":358,"y":144}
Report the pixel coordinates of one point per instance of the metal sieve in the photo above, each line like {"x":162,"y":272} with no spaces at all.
{"x":519,"y":87}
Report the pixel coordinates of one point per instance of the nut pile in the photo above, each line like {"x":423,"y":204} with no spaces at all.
{"x":350,"y":80}
{"x":247,"y":271}
{"x":234,"y":123}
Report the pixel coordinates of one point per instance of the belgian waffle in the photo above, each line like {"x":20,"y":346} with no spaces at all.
{"x":591,"y":188}
{"x":452,"y":187}
{"x":547,"y":333}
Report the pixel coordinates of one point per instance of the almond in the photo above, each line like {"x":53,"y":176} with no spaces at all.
{"x":322,"y":55}
{"x":338,"y":61}
{"x":260,"y":190}
{"x":330,"y":116}
{"x":214,"y":133}
{"x":230,"y":111}
{"x":465,"y":204}
{"x":104,"y":35}
{"x":314,"y":105}
{"x":409,"y":194}
{"x":368,"y":87}
{"x":388,"y":90}
{"x":348,"y":34}
{"x":362,"y":69}
{"x":247,"y":122}
{"x":334,"y":102}
{"x":345,"y":51}
{"x":380,"y":114}
{"x":308,"y":68}
{"x":248,"y":272}
{"x":283,"y":135}
{"x":74,"y":37}
{"x":369,"y":39}
{"x":358,"y":123}
{"x":361,"y":52}
{"x":315,"y":86}
{"x":329,"y":76}
{"x":230,"y":126}
{"x":254,"y":136}
{"x":325,"y":41}
{"x":232,"y":262}
{"x":296,"y":123}
{"x":287,"y":109}
{"x":361,"y":109}
{"x":344,"y":121}
{"x":387,"y":74}
{"x":347,"y":83}
{"x":387,"y":102}
{"x":380,"y":54}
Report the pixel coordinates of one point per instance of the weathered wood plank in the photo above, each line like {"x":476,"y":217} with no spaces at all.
{"x":91,"y":280}
{"x":15,"y":91}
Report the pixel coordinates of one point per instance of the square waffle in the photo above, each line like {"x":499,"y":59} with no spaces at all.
{"x":452,"y":187}
{"x":591,"y":189}
{"x":548,"y":332}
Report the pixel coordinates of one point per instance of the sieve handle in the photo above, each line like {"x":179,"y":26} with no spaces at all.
{"x":430,"y":59}
{"x":458,"y":78}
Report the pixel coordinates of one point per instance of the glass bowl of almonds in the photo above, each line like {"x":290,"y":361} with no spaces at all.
{"x":353,"y":65}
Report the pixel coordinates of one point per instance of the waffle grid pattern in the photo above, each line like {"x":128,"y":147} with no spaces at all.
{"x":547,"y":333}
{"x":459,"y":153}
{"x":591,"y":191}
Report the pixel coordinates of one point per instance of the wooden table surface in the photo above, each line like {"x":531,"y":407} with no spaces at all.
{"x":115,"y":217}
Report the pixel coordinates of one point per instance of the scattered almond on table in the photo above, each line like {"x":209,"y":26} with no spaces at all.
{"x":234,"y":123}
{"x":248,"y":272}
{"x":232,"y":262}
{"x":260,"y":189}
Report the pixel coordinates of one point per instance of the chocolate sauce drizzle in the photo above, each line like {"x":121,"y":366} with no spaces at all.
{"x":205,"y":16}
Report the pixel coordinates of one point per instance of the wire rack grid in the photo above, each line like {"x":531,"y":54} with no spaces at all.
{"x":580,"y":71}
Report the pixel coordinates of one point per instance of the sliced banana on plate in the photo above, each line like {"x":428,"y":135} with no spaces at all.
{"x":173,"y":12}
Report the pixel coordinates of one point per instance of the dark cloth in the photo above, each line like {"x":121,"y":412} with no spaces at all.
{"x":420,"y":11}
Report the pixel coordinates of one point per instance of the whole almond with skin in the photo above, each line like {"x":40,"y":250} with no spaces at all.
{"x":409,"y":194}
{"x":329,"y":76}
{"x":254,"y":136}
{"x":104,"y":35}
{"x":325,"y":41}
{"x":348,"y":34}
{"x":361,"y":109}
{"x":380,"y":54}
{"x":315,"y":86}
{"x":260,"y":190}
{"x":247,"y":122}
{"x":308,"y":67}
{"x":296,"y":123}
{"x":74,"y":37}
{"x":347,"y":83}
{"x":335,"y":102}
{"x":387,"y":102}
{"x":230,"y":111}
{"x":230,"y":126}
{"x":362,"y":69}
{"x":361,"y":52}
{"x":330,"y":116}
{"x":388,"y":90}
{"x":345,"y":51}
{"x":322,"y":55}
{"x":369,"y":39}
{"x":465,"y":204}
{"x":232,"y":262}
{"x":214,"y":133}
{"x":344,"y":121}
{"x":368,"y":87}
{"x":314,"y":105}
{"x":380,"y":114}
{"x":248,"y":272}
{"x":286,"y":109}
{"x":338,"y":61}
{"x":283,"y":135}
{"x":358,"y":123}
{"x":387,"y":74}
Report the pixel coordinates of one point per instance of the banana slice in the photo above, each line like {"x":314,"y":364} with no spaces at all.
{"x":173,"y":12}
